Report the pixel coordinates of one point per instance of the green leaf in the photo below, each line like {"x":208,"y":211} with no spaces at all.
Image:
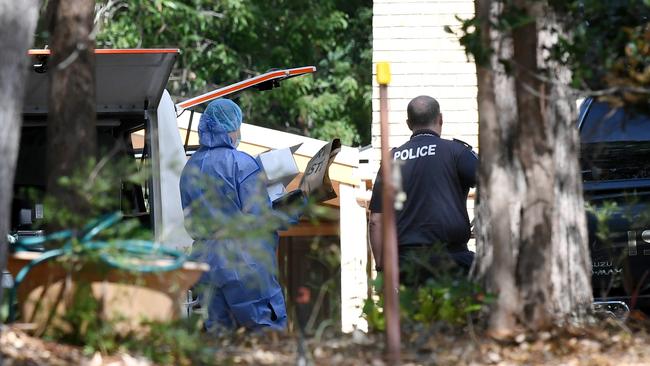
{"x":223,"y":41}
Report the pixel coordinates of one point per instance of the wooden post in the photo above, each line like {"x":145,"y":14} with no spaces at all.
{"x":391,"y":267}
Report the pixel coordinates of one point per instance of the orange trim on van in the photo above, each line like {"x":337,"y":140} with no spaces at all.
{"x":114,"y":51}
{"x":278,"y":74}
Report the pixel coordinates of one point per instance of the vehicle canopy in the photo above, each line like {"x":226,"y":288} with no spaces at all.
{"x":126,"y":80}
{"x":131,"y":99}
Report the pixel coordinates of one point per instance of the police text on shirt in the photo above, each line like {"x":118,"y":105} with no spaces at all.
{"x":414,"y":153}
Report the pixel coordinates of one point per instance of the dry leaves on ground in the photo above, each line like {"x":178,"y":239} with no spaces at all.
{"x":614,"y":344}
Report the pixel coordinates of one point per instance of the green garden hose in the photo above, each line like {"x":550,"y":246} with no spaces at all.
{"x":108,"y":252}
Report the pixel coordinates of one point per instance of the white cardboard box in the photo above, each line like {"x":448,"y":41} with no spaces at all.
{"x":279,"y":169}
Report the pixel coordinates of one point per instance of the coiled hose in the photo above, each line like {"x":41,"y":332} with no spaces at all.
{"x":108,"y":252}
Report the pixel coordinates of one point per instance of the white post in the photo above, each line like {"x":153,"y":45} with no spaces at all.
{"x":354,"y":254}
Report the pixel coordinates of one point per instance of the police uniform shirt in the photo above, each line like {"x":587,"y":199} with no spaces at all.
{"x":436,"y":177}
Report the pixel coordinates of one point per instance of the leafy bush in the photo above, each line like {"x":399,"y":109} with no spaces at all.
{"x":175,"y":343}
{"x":179,"y":342}
{"x":445,"y":298}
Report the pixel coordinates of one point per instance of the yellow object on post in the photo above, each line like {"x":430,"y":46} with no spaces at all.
{"x":383,"y":73}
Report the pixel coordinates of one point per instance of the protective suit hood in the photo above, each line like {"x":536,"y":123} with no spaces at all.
{"x":220,"y":117}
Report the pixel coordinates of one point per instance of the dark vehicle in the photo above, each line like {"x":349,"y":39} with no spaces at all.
{"x":615,"y":161}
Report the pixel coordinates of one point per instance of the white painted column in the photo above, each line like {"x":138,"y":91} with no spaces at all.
{"x":354,"y":255}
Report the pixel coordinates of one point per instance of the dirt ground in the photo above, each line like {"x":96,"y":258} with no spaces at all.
{"x":609,"y":343}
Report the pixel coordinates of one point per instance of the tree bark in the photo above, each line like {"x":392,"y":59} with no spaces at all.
{"x":531,"y":232}
{"x":17,"y":25}
{"x":72,"y":134}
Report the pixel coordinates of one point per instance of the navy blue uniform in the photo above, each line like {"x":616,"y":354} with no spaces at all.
{"x":436,"y":177}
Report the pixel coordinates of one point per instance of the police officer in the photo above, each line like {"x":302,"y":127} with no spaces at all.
{"x":436,"y":177}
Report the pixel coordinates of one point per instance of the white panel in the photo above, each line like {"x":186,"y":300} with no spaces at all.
{"x":354,"y":255}
{"x":393,"y":140}
{"x":416,"y":20}
{"x":430,"y":67}
{"x":407,"y":32}
{"x":396,"y":129}
{"x":396,"y":140}
{"x":460,"y":129}
{"x":456,"y":104}
{"x":431,"y":55}
{"x":424,"y":7}
{"x":171,"y":161}
{"x":396,"y":44}
{"x":457,"y":117}
{"x":438,"y":92}
{"x":431,"y":80}
{"x":448,"y":129}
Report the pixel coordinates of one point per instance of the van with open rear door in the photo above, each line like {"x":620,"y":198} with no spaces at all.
{"x":136,"y":119}
{"x":136,"y":122}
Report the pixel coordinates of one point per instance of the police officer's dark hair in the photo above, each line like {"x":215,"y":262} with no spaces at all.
{"x":422,"y":111}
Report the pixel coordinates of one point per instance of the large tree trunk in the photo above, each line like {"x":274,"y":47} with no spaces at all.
{"x":531,"y":233}
{"x":17,"y":25}
{"x":71,"y":135}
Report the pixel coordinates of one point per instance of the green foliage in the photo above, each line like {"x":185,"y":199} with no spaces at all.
{"x":82,"y":322}
{"x":81,"y":325}
{"x":373,"y":308}
{"x":166,"y":343}
{"x":228,"y":40}
{"x":175,"y":343}
{"x":603,"y":214}
{"x":444,"y":298}
{"x":470,"y":35}
{"x":605,"y":44}
{"x":607,"y":47}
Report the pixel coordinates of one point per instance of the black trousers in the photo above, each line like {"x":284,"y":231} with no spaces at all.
{"x":418,"y":263}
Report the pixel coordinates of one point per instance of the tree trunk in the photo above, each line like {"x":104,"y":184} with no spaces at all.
{"x":531,"y":232}
{"x":71,"y":134}
{"x":17,"y":25}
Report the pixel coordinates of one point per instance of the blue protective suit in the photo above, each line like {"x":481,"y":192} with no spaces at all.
{"x":228,"y":214}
